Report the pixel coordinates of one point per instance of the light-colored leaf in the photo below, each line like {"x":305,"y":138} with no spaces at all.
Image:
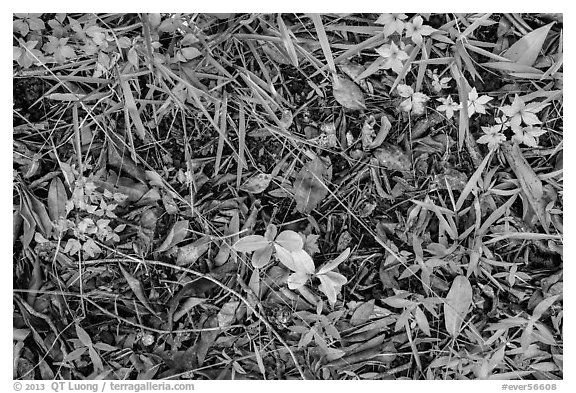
{"x":290,"y":240}
{"x":285,"y":257}
{"x":297,"y":280}
{"x":458,"y":302}
{"x":336,"y":278}
{"x":334,"y":263}
{"x":526,"y":50}
{"x":327,"y":287}
{"x":250,"y":243}
{"x":309,"y":189}
{"x":348,"y":94}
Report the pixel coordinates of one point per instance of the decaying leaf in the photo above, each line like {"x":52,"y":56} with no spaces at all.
{"x":190,"y":253}
{"x":458,"y":302}
{"x":257,"y":183}
{"x":529,"y":181}
{"x":309,"y":188}
{"x":227,"y":314}
{"x":136,"y":287}
{"x":348,"y":94}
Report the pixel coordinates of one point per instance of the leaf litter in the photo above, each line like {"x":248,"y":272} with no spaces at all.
{"x":288,"y":196}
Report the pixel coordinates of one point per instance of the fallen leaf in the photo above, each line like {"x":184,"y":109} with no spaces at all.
{"x":348,"y":94}
{"x":207,"y":338}
{"x":136,"y":287}
{"x":186,"y":306}
{"x":309,"y":188}
{"x":57,"y":199}
{"x":525,"y":51}
{"x":458,"y":302}
{"x":227,"y":314}
{"x":177,"y":234}
{"x":190,"y":253}
{"x":257,"y":184}
{"x":362,"y":313}
{"x":529,"y":182}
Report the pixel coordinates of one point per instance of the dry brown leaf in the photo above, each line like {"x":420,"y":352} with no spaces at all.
{"x":529,"y":182}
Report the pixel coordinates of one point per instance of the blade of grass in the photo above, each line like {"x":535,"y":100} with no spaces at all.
{"x":241,"y":147}
{"x":131,"y":107}
{"x":287,"y":41}
{"x":473,"y":181}
{"x":325,"y":45}
{"x":222,"y":135}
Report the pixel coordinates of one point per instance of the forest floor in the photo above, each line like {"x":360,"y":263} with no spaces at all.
{"x":294,"y":196}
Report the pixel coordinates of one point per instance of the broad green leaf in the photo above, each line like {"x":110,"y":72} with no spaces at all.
{"x":334,"y":263}
{"x":297,"y":280}
{"x":250,"y":243}
{"x":526,"y":50}
{"x":285,"y":257}
{"x":303,"y":262}
{"x":458,"y":302}
{"x":290,"y":240}
{"x":309,"y":188}
{"x":328,"y":288}
{"x":261,"y":257}
{"x":336,"y":278}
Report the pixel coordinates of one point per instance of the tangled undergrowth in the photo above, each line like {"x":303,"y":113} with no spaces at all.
{"x":294,"y":196}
